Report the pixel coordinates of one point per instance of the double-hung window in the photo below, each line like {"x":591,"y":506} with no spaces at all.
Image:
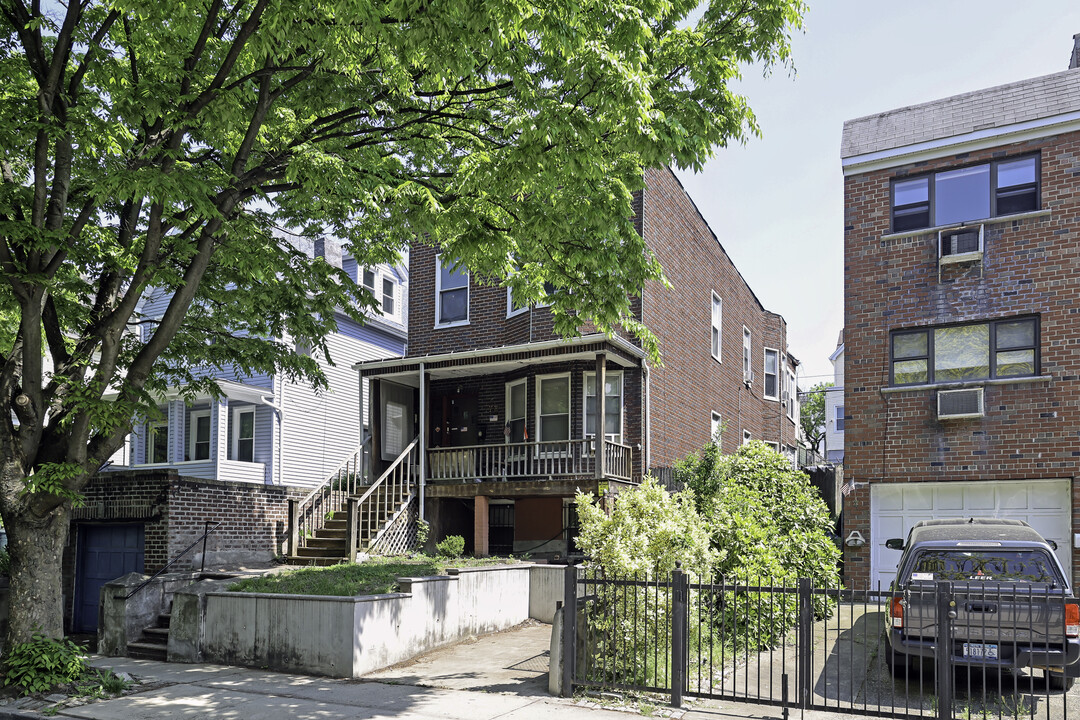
{"x":553,"y":411}
{"x":157,"y":442}
{"x":199,"y":436}
{"x":243,"y":435}
{"x":791,"y":395}
{"x":612,"y":405}
{"x":388,"y":296}
{"x":840,"y":418}
{"x":515,"y":411}
{"x":972,"y":351}
{"x":772,"y":374}
{"x":977,"y":192}
{"x":717,"y":324}
{"x":747,"y":371}
{"x":368,"y":279}
{"x":451,"y":294}
{"x":716,"y":427}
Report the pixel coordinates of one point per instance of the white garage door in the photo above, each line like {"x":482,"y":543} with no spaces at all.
{"x":895,"y":507}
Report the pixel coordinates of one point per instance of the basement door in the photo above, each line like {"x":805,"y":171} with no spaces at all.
{"x":895,"y":507}
{"x":105,"y":552}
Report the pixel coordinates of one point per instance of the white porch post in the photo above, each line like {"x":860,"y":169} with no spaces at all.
{"x":219,"y":432}
{"x":601,"y":413}
{"x":177,"y":441}
{"x":423,"y":437}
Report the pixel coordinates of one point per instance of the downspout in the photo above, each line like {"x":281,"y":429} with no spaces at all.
{"x":279,"y":409}
{"x":647,"y":460}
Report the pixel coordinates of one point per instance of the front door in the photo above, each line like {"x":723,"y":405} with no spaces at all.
{"x":453,"y":419}
{"x":105,"y":552}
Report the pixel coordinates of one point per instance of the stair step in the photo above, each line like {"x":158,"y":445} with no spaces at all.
{"x":334,"y":525}
{"x":330,"y":534}
{"x":320,"y":552}
{"x":318,"y":542}
{"x":147,"y":651}
{"x":156,"y":634}
{"x":307,"y":561}
{"x":164,"y":620}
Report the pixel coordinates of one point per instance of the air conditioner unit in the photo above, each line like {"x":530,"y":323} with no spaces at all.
{"x":748,"y":377}
{"x":957,"y":404}
{"x":961,"y":244}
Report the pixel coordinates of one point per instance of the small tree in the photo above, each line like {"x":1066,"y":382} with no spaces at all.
{"x":812,"y":414}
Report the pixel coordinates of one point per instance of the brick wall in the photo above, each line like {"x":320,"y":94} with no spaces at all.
{"x":1030,"y":266}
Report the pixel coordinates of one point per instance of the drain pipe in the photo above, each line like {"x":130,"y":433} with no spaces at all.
{"x":647,"y":460}
{"x":279,"y":409}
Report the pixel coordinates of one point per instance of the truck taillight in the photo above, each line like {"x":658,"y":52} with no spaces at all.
{"x":896,"y":612}
{"x":1072,"y":620}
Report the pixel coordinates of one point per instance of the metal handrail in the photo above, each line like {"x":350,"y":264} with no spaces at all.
{"x":185,"y":551}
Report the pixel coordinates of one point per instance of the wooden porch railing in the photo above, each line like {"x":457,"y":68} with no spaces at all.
{"x":528,"y":460}
{"x":384,"y":498}
{"x":311,"y":513}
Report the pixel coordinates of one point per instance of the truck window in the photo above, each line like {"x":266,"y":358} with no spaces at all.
{"x":1032,"y":566}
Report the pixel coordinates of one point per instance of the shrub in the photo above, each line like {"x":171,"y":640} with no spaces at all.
{"x":452,"y":546}
{"x":423,"y":531}
{"x":42,"y":664}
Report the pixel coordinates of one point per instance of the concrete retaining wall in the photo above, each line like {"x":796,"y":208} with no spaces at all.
{"x":352,"y":636}
{"x":546,"y":584}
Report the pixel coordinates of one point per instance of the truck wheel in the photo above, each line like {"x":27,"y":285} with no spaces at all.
{"x":1058,"y":681}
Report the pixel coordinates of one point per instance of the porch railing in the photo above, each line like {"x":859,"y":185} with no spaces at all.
{"x":312,"y":513}
{"x":384,"y":498}
{"x":528,"y":460}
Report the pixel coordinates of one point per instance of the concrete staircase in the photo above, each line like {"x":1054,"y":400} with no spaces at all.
{"x":154,"y":643}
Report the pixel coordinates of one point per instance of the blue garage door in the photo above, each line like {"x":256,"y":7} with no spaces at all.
{"x":105,"y":553}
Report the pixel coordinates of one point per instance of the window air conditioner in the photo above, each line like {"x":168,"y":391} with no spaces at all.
{"x":955,"y":404}
{"x":748,"y":377}
{"x":960,"y":244}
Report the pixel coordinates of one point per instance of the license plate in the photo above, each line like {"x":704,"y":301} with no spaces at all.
{"x":981,"y":651}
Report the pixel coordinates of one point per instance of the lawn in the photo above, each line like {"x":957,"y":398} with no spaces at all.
{"x":373,"y":576}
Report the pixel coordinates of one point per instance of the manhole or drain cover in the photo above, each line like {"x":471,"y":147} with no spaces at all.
{"x":536,"y":664}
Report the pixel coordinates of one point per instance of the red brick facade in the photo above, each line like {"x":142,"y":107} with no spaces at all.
{"x":1029,"y":267}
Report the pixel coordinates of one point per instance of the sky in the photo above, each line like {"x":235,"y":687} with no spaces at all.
{"x":776,"y":203}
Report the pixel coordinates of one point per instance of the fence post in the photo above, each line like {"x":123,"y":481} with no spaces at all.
{"x":678,"y":634}
{"x":569,"y":627}
{"x":803,"y":680}
{"x":945,"y":612}
{"x":294,"y":526}
{"x":353,"y":505}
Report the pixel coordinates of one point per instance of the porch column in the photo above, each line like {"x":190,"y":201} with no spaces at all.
{"x":219,"y":431}
{"x":480,"y":526}
{"x":601,"y":412}
{"x":422,"y":434}
{"x":177,"y":439}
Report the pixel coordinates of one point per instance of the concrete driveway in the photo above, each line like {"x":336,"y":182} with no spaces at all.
{"x":513,"y":661}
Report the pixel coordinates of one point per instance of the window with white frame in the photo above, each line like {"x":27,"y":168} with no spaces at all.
{"x":716,"y":427}
{"x":513,"y":305}
{"x":243,"y":434}
{"x":553,"y":408}
{"x":199,"y":435}
{"x":747,"y":367}
{"x":515,"y":411}
{"x":367,"y":279}
{"x":840,"y":418}
{"x":157,"y":442}
{"x":388,"y":289}
{"x":745,"y":436}
{"x":612,"y":405}
{"x":790,"y":396}
{"x":717,"y":324}
{"x":775,"y":446}
{"x":451,"y":294}
{"x":772,"y":374}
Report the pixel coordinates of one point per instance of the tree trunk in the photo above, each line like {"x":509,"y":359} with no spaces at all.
{"x":36,"y":546}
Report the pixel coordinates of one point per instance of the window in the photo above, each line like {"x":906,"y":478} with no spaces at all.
{"x":790,"y":396}
{"x":243,"y":435}
{"x":975,"y":351}
{"x":745,"y":436}
{"x":716,"y":427}
{"x":1002,"y":187}
{"x":515,"y":411}
{"x":451,"y":295}
{"x":388,"y":296}
{"x":612,"y":405}
{"x":840,"y":418}
{"x":774,"y":446}
{"x":553,"y":408}
{"x":157,"y":444}
{"x":772,"y":375}
{"x":513,"y":307}
{"x":747,"y":372}
{"x":368,"y":279}
{"x":199,"y":436}
{"x":717,"y":324}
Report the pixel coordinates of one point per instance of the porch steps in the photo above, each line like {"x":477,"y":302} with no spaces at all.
{"x":154,"y":643}
{"x":329,"y":546}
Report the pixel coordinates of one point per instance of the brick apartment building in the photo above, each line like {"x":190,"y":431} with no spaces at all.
{"x":962,"y":311}
{"x":507,"y":409}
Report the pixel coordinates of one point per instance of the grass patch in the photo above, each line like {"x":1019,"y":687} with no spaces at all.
{"x":374,"y":576}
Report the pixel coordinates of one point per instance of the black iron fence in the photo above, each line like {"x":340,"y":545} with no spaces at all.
{"x":934,"y":650}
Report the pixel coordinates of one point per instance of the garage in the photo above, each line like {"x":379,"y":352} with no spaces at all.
{"x":105,"y":552}
{"x":894,"y":507}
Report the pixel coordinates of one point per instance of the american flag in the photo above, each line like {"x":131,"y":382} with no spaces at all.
{"x":847,"y":487}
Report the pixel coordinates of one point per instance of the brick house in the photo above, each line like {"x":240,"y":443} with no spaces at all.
{"x":236,"y":459}
{"x":505,"y":412}
{"x":962,"y":311}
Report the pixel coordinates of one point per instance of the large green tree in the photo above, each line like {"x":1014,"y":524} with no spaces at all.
{"x":812,"y":414}
{"x":148,"y":144}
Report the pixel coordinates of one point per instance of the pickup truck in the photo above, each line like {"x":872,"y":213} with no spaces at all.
{"x":1008,"y":599}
